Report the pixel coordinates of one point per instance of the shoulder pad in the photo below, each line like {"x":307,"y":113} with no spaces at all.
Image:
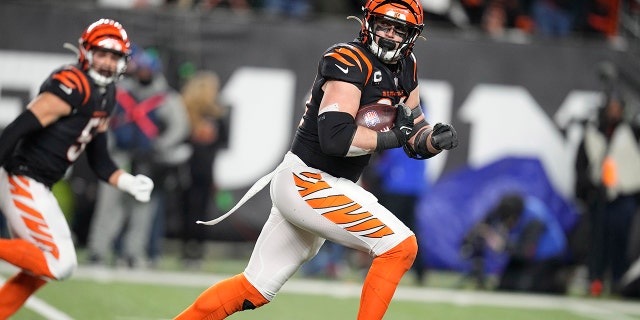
{"x":70,"y":84}
{"x":347,"y":63}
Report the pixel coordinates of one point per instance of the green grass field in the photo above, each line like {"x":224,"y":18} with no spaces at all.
{"x":162,"y":294}
{"x":110,"y":301}
{"x":146,"y":295}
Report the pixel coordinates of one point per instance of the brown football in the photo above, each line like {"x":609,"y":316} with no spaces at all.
{"x":376,"y":116}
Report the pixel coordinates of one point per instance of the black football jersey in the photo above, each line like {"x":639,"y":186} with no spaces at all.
{"x":378,"y":82}
{"x":46,"y":155}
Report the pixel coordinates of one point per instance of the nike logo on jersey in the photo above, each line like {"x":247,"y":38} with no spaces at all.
{"x":344,"y":70}
{"x":65,"y":89}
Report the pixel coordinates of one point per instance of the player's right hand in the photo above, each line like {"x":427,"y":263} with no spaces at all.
{"x":403,"y":125}
{"x":140,"y":186}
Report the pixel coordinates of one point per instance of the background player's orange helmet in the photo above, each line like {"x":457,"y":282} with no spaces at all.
{"x":105,"y":34}
{"x":405,"y":13}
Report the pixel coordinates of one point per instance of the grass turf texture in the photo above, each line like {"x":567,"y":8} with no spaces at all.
{"x":83,"y":299}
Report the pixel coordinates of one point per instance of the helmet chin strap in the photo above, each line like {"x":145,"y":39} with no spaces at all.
{"x":385,"y":50}
{"x":97,"y":77}
{"x":386,"y":44}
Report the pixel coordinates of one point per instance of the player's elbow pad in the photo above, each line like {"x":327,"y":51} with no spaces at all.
{"x":335,"y":132}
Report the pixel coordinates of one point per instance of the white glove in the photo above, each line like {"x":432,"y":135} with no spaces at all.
{"x":139,"y":187}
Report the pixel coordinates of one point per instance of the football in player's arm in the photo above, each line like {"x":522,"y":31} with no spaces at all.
{"x":69,"y":116}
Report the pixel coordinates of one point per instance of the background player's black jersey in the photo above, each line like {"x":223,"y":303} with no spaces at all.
{"x":46,"y":155}
{"x":378,"y":82}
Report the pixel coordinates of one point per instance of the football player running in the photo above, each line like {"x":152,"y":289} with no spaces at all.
{"x":70,"y":114}
{"x":314,"y":192}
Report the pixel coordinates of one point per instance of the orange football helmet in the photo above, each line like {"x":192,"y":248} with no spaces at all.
{"x":104,"y":34}
{"x":407,"y":18}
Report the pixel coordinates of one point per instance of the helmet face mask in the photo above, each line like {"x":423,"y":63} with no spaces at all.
{"x":104,"y":35}
{"x":405,"y":17}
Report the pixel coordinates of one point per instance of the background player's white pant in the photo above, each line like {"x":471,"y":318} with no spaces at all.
{"x":309,"y":206}
{"x":33,"y":214}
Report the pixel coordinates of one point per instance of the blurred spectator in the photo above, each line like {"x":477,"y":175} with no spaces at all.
{"x":148,"y":126}
{"x":84,"y":185}
{"x":602,"y":17}
{"x":553,"y":17}
{"x":402,"y":181}
{"x":238,"y":6}
{"x":298,"y":9}
{"x":209,"y":133}
{"x":128,"y":4}
{"x":607,"y":184}
{"x":500,"y":16}
{"x":329,"y":262}
{"x":525,"y":232}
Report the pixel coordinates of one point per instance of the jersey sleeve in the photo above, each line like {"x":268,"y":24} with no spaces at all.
{"x":410,"y":82}
{"x":345,"y":62}
{"x":69,"y":84}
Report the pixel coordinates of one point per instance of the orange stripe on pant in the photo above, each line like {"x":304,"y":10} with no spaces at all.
{"x":345,"y":208}
{"x":33,"y":219}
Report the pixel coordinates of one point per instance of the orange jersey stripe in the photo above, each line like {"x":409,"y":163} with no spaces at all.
{"x":351,"y":54}
{"x":366,"y":61}
{"x":65,"y":79}
{"x":75,"y":79}
{"x":340,"y":58}
{"x":356,"y":55}
{"x":85,"y":84}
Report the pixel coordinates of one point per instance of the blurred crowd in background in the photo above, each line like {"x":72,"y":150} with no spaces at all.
{"x":501,"y":19}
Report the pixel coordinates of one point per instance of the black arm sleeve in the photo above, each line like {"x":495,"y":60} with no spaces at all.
{"x":99,"y":158}
{"x":336,"y":131}
{"x":24,"y":124}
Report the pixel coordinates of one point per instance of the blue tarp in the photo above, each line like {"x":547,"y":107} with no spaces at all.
{"x":456,"y":202}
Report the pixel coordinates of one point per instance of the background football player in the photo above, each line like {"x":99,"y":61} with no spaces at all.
{"x":69,"y":115}
{"x":314,"y":191}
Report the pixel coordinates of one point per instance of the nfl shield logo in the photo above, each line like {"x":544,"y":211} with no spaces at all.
{"x":371,"y":118}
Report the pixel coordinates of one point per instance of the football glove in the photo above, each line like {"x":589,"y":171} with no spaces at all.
{"x":403,"y":125}
{"x":444,"y":137}
{"x":139,"y":187}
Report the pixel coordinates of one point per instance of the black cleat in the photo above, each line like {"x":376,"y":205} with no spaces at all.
{"x":247,"y":305}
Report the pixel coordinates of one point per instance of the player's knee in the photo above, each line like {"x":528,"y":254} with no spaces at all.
{"x":404,"y":253}
{"x":64,"y":269}
{"x":254,"y":297}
